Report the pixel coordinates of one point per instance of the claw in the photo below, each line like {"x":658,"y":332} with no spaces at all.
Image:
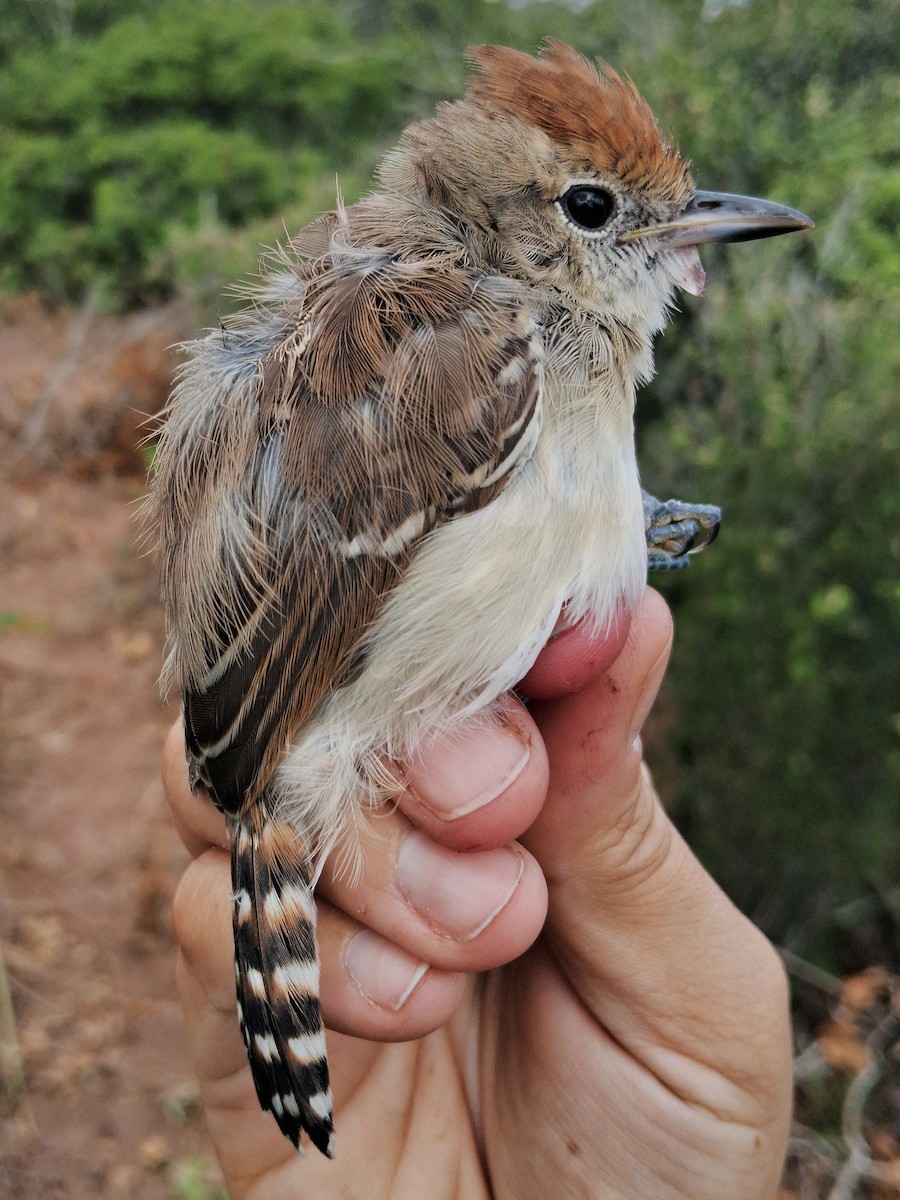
{"x":675,"y":529}
{"x":679,"y":537}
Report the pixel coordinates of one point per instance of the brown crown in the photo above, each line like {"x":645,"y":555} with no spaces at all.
{"x":597,"y":116}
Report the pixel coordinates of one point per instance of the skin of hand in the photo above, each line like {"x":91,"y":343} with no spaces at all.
{"x":534,"y":990}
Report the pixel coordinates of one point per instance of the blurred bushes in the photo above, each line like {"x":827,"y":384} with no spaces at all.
{"x":178,"y":112}
{"x":146,"y":146}
{"x":781,"y":402}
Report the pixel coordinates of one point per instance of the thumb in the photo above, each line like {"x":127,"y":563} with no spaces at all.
{"x":593,"y":740}
{"x":615,"y":867}
{"x":653,"y":947}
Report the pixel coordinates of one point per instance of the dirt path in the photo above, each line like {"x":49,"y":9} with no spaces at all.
{"x":88,"y":861}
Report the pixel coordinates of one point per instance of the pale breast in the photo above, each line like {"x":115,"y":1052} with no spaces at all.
{"x":471,"y":614}
{"x":484,"y":592}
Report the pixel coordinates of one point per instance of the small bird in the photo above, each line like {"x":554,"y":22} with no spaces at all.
{"x":379,"y":489}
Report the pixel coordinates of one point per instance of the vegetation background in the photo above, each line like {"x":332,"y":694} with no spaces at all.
{"x":148,"y":148}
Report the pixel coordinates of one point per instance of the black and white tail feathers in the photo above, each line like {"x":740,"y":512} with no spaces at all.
{"x":277,"y":970}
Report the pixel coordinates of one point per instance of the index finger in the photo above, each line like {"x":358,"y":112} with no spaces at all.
{"x":651,"y":944}
{"x":567,"y":663}
{"x":198,"y":821}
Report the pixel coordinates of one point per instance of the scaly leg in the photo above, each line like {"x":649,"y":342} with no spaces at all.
{"x":676,"y":529}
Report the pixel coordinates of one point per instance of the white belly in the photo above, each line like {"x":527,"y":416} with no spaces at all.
{"x":471,"y":615}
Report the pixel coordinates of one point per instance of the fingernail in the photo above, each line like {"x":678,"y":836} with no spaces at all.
{"x":645,"y":700}
{"x":465,"y":771}
{"x":382,"y":972}
{"x":459,"y":894}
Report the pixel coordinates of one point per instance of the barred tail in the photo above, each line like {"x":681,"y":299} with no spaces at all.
{"x":277,"y":969}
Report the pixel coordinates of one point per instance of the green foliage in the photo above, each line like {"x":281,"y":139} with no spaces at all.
{"x":777,"y":397}
{"x":172,"y":116}
{"x":147,"y":147}
{"x":195,"y":1179}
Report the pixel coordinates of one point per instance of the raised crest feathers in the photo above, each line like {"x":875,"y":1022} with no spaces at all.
{"x":596,"y":114}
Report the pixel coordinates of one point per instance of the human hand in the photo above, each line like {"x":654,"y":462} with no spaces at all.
{"x":638,"y":1048}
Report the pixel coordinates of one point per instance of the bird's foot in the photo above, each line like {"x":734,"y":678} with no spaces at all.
{"x":675,"y":529}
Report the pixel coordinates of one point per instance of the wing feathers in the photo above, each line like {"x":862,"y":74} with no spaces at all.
{"x":389,"y":397}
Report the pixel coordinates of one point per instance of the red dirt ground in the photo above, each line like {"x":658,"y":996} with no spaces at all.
{"x":88,"y":859}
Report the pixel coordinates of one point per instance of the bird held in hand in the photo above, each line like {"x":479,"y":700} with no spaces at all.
{"x":380,"y":488}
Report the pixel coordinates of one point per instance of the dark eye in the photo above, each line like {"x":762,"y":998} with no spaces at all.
{"x":589,"y":207}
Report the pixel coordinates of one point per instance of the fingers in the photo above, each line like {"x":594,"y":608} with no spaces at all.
{"x":393,"y":946}
{"x":424,"y":905}
{"x":573,"y":658}
{"x":198,"y":821}
{"x":652,"y":946}
{"x":479,"y":788}
{"x":460,"y":912}
{"x":592,"y":738}
{"x":370,"y":987}
{"x":456,"y":911}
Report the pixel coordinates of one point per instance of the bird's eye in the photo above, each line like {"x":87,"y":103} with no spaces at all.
{"x":587,"y":207}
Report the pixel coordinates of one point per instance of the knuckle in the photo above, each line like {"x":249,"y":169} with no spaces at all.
{"x":174,"y":763}
{"x":202,"y":890}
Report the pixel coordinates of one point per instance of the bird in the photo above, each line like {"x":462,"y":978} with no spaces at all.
{"x":381,"y":486}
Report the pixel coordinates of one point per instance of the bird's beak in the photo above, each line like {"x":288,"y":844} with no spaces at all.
{"x":721,"y":217}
